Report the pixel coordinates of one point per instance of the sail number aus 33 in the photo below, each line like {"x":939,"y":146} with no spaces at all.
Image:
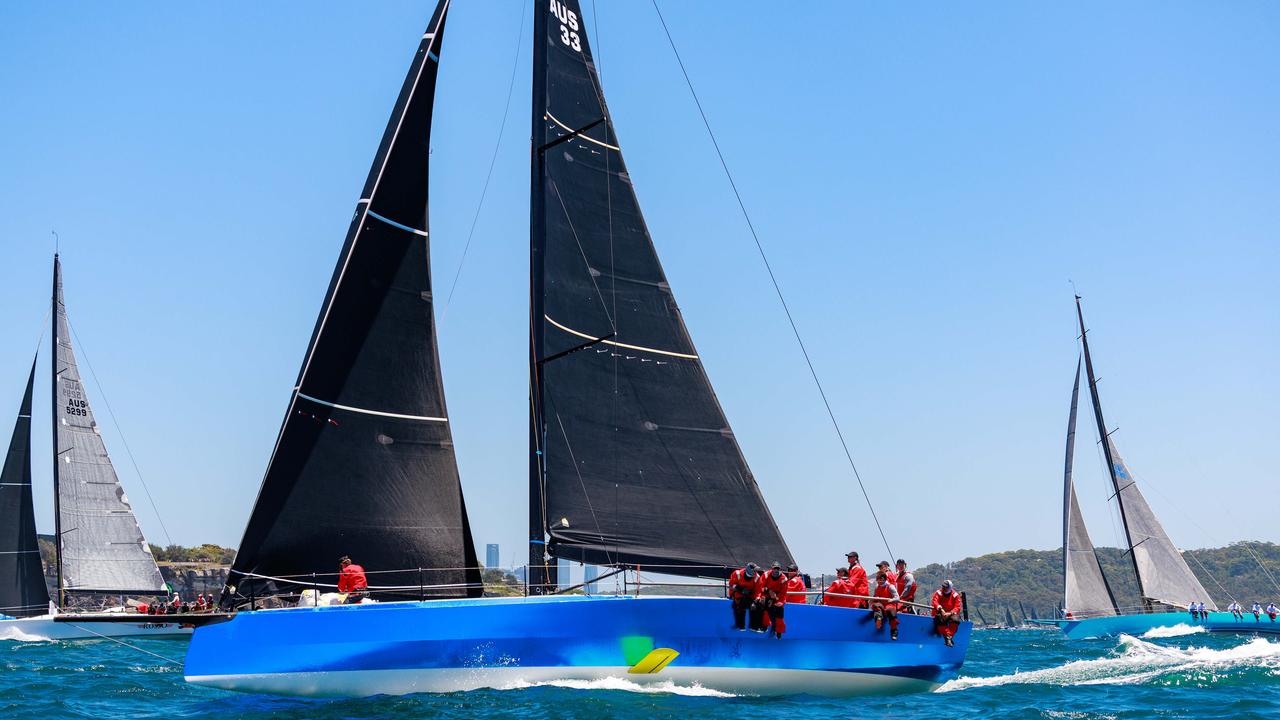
{"x":568,"y":25}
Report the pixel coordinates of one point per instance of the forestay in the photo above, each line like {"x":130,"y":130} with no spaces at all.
{"x":364,"y":464}
{"x":1086,"y":592}
{"x":101,"y":547}
{"x":635,"y":462}
{"x":22,"y":588}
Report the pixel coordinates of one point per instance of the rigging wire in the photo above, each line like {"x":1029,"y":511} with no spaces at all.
{"x":171,"y":661}
{"x":107,"y":403}
{"x":493,"y":161}
{"x":773,"y":278}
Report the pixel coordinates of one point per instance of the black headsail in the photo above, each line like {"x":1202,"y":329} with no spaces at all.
{"x":22,"y":589}
{"x":633,"y":460}
{"x":364,"y":464}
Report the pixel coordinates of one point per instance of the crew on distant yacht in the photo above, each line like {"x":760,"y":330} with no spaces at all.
{"x":885,"y":605}
{"x":1257,"y":612}
{"x":351,"y":580}
{"x":1204,"y":614}
{"x":795,"y":585}
{"x":744,"y":584}
{"x":858,"y":584}
{"x":1236,"y":611}
{"x":947,"y":611}
{"x":906,"y":587}
{"x":1271,"y":611}
{"x":1195,"y":612}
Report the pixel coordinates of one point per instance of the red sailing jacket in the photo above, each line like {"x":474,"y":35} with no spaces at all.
{"x":858,"y":584}
{"x":352,"y":579}
{"x":840,"y":587}
{"x":946,"y":603}
{"x":795,"y":590}
{"x":741,"y":587}
{"x":888,"y":591}
{"x":774,"y":589}
{"x":907,"y":591}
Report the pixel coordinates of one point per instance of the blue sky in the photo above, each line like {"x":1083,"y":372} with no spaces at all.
{"x":926,"y":178}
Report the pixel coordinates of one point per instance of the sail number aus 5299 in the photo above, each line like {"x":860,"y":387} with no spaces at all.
{"x":568,"y":25}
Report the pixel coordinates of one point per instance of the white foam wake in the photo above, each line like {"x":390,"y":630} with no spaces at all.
{"x":13,"y":633}
{"x":1135,"y":661}
{"x":617,"y":683}
{"x":1176,"y":631}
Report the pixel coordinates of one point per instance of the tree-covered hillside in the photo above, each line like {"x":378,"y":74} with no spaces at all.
{"x":1032,"y":579}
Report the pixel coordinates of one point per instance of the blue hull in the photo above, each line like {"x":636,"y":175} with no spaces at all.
{"x":1139,"y":624}
{"x":452,"y":645}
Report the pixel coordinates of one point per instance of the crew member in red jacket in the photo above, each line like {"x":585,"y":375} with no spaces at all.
{"x":947,"y":612}
{"x":858,"y":584}
{"x":772,"y":599}
{"x":883,"y":566}
{"x":906,"y":587}
{"x":744,"y":586}
{"x":351,"y":581}
{"x":795,"y":585}
{"x":834,"y":597}
{"x":885,"y":605}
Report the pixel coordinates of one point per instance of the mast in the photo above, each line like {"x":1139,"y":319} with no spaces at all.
{"x":53,"y":424}
{"x":541,"y":571}
{"x":1106,"y":449}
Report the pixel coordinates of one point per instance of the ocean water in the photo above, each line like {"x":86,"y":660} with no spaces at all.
{"x":1181,"y":673}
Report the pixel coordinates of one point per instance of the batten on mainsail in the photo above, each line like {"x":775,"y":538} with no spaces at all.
{"x":364,"y":464}
{"x":629,"y":443}
{"x":22,"y":589}
{"x":1085,"y":592}
{"x":1163,"y":575}
{"x":101,"y":548}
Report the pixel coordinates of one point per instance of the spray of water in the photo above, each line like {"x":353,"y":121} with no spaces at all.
{"x":617,"y":683}
{"x":1136,"y":661}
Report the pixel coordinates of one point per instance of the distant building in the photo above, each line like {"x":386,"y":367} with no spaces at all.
{"x":589,"y":575}
{"x":491,"y":557}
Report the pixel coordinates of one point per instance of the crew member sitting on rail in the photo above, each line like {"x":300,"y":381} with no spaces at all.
{"x":1271,"y":611}
{"x":1204,"y":614}
{"x":885,"y":604}
{"x":795,"y":585}
{"x":1195,"y":612}
{"x":1257,"y":612}
{"x":947,"y":612}
{"x":351,"y":580}
{"x":838,"y":589}
{"x":857,"y":580}
{"x":906,"y":587}
{"x":773,"y":598}
{"x":744,"y":585}
{"x":201,"y":605}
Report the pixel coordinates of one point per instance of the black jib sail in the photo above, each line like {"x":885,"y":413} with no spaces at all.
{"x":364,"y":464}
{"x":1085,"y":589}
{"x":633,"y":461}
{"x":22,"y":589}
{"x":100,"y":546}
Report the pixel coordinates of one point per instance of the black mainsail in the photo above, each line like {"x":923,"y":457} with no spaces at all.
{"x":101,"y":548}
{"x":364,"y":464}
{"x":22,"y":589}
{"x":1163,"y":575}
{"x":1085,"y":589}
{"x":632,"y":459}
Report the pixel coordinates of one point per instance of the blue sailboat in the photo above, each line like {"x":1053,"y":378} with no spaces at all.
{"x":1166,"y":584}
{"x":632,"y":461}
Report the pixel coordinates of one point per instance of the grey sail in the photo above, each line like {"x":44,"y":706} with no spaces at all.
{"x":1086,"y":593}
{"x":101,"y":548}
{"x":1165,"y":576}
{"x":1162,"y":575}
